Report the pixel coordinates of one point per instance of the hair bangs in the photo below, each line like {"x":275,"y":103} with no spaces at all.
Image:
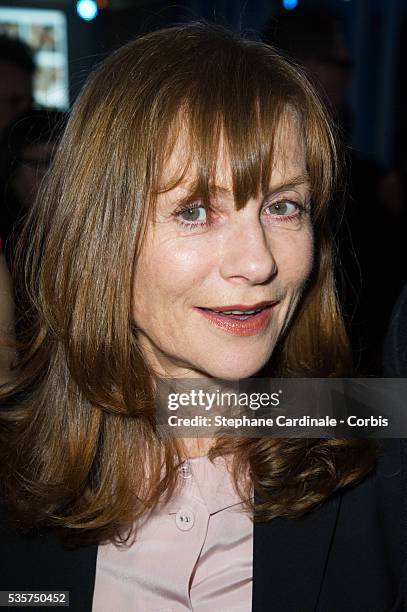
{"x":239,"y":110}
{"x":243,"y":134}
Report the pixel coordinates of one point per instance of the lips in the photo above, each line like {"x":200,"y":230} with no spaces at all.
{"x":240,"y":319}
{"x":241,"y":308}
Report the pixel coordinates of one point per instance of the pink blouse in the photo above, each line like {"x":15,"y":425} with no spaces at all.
{"x":194,"y":553}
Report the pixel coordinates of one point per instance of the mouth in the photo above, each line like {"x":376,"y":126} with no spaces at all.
{"x":239,"y":311}
{"x":239,"y":319}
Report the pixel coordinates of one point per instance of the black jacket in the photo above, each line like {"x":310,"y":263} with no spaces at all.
{"x":395,"y":349}
{"x":345,"y":556}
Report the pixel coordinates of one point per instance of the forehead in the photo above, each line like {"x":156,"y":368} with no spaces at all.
{"x":288,"y":158}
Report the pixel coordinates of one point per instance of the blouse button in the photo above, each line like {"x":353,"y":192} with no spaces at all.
{"x":186,"y":471}
{"x":184,"y":519}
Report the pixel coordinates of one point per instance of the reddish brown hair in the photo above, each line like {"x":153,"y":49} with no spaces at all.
{"x":81,"y":449}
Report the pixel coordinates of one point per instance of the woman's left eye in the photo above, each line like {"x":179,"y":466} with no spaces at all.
{"x":192,"y":216}
{"x":284,"y":208}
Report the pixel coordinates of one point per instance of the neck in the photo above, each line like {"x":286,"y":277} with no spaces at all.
{"x":196,"y":447}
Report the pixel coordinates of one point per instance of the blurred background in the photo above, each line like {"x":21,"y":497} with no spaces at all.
{"x":355,"y":53}
{"x":67,"y":47}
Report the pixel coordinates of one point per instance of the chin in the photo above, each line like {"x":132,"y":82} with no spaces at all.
{"x":234,"y":370}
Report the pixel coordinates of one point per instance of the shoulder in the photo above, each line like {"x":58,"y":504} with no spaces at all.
{"x":375,"y":503}
{"x":366,"y":544}
{"x":380,"y":494}
{"x":343,"y":555}
{"x":395,"y":349}
{"x":368,"y":540}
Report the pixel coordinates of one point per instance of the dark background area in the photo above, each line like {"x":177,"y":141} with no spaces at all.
{"x":376,"y":36}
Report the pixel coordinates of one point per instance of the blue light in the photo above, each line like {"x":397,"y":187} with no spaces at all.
{"x":289,"y":5}
{"x":87,"y":9}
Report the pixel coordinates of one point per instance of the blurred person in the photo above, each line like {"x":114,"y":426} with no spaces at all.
{"x":313,"y":37}
{"x":371,"y":205}
{"x":17,"y":70}
{"x":26,"y":151}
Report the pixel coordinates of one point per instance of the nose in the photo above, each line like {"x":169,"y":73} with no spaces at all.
{"x":247,"y":255}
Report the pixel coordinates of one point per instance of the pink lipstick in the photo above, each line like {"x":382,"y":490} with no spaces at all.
{"x":240,"y":319}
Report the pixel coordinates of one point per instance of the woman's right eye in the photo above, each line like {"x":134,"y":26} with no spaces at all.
{"x":191,"y":216}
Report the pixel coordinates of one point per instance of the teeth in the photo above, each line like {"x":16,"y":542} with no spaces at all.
{"x":238,"y":312}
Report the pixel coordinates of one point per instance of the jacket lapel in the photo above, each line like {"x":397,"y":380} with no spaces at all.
{"x":290,"y":557}
{"x":289,"y":560}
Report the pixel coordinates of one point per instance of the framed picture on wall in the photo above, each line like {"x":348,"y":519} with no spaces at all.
{"x":46,"y":32}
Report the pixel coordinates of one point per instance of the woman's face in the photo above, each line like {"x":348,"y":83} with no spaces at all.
{"x":193,"y":266}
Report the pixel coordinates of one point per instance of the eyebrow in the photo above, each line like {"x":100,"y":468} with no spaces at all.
{"x":191,"y":187}
{"x":295,"y":181}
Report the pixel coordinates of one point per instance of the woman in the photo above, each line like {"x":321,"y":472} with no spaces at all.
{"x":26,"y":150}
{"x":183,"y":233}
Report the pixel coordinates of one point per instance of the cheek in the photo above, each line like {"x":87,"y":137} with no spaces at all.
{"x":169,"y":271}
{"x":295,"y":258}
{"x":308,"y":257}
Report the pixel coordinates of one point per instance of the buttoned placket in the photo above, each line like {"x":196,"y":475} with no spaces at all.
{"x":201,"y":492}
{"x":185,"y":515}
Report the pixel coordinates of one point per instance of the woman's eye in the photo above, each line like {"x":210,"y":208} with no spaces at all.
{"x":283,"y":208}
{"x":193,"y":214}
